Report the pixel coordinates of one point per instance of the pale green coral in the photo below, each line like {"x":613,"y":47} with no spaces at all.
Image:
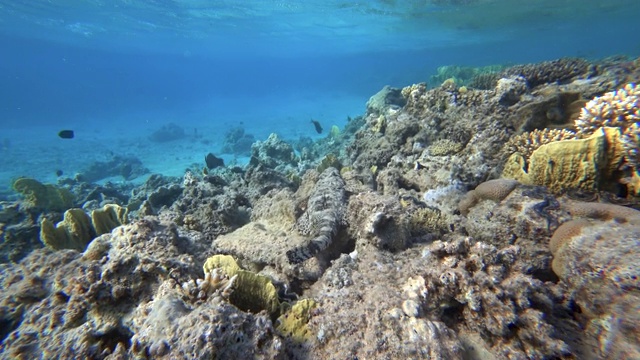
{"x":43,"y":196}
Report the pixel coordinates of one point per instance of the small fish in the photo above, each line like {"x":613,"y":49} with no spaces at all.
{"x":66,"y":134}
{"x":317,"y":125}
{"x":59,"y":173}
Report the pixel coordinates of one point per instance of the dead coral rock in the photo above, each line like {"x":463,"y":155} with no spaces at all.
{"x":384,"y":100}
{"x":214,"y":205}
{"x":125,"y":299}
{"x":481,"y":284}
{"x":377,"y":327}
{"x":379,"y":221}
{"x":546,"y":111}
{"x":167,"y":327}
{"x":273,"y":153}
{"x":509,"y":90}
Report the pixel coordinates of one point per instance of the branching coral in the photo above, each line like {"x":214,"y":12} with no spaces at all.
{"x":548,"y":71}
{"x":619,"y":109}
{"x":528,"y":142}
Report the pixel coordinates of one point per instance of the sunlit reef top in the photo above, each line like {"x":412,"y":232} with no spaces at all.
{"x":349,"y":26}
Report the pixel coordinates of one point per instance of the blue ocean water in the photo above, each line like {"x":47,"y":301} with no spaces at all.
{"x":116,"y":71}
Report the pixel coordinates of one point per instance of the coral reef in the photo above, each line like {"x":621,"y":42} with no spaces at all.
{"x":128,"y":167}
{"x":237,"y":142}
{"x":366,"y":245}
{"x":546,"y":72}
{"x":166,"y":133}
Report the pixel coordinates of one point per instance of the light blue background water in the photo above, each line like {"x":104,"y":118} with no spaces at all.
{"x":117,"y":70}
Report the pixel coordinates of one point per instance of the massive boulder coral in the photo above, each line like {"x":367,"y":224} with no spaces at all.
{"x":598,"y":262}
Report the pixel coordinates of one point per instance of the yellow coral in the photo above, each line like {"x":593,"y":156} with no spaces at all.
{"x":108,"y":218}
{"x":445,"y":147}
{"x":251,"y":291}
{"x":577,"y":163}
{"x":43,"y":196}
{"x":293,"y":323}
{"x":73,"y":232}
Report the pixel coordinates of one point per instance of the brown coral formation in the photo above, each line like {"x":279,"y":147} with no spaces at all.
{"x":549,"y":71}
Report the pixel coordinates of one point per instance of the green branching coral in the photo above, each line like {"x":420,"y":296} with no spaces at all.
{"x":43,"y":196}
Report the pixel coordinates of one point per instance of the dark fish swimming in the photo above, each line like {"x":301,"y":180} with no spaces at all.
{"x":66,"y":134}
{"x":317,"y":125}
{"x":59,"y":173}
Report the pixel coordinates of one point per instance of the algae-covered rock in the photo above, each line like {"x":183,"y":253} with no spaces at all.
{"x":108,"y":218}
{"x":43,"y":196}
{"x":73,"y":232}
{"x":251,"y":292}
{"x":293,"y":323}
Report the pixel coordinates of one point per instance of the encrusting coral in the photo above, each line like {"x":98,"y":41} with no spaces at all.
{"x":597,"y":258}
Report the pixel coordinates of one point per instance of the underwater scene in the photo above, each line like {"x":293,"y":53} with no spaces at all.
{"x":433,"y":179}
